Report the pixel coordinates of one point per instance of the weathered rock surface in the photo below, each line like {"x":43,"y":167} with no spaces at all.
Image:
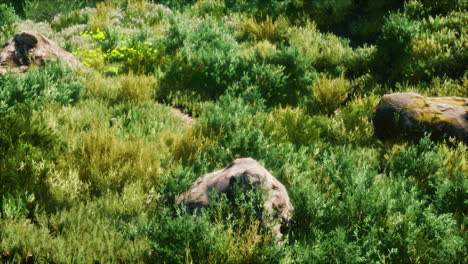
{"x":413,"y":115}
{"x":251,"y":173}
{"x":30,"y":47}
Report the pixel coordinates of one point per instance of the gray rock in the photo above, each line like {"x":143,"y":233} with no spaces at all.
{"x":30,"y":47}
{"x":410,"y":114}
{"x":251,"y":173}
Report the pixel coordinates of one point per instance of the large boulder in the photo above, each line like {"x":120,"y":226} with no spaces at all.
{"x":249,"y":172}
{"x":410,"y":114}
{"x":30,"y":47}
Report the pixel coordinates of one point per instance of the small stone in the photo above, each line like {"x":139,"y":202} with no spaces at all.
{"x":112,"y":122}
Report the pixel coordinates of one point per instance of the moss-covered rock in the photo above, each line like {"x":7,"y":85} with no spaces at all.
{"x":410,"y":114}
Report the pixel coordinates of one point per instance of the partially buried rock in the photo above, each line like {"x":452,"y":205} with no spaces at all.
{"x":410,"y":114}
{"x":249,"y":172}
{"x":30,"y":47}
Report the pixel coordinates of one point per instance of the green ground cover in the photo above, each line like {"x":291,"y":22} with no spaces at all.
{"x":292,"y":84}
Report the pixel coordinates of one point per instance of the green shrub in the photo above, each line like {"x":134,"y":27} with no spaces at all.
{"x":355,"y":118}
{"x":107,"y":162}
{"x":350,"y":213}
{"x":420,"y":163}
{"x":267,"y":29}
{"x":75,"y":17}
{"x":444,"y":6}
{"x":231,"y":123}
{"x":154,"y":14}
{"x":358,"y":20}
{"x":292,"y":125}
{"x":205,"y":60}
{"x":360,"y":62}
{"x":140,"y":58}
{"x":46,"y":10}
{"x":415,"y":10}
{"x":438,"y":50}
{"x":186,"y":147}
{"x":330,"y":93}
{"x":101,"y":17}
{"x":215,"y":8}
{"x":258,"y":7}
{"x":228,"y":230}
{"x":97,"y":227}
{"x":27,"y":151}
{"x":285,"y":77}
{"x":15,"y":205}
{"x":54,"y":82}
{"x":327,"y":52}
{"x":8,"y":20}
{"x":136,"y":88}
{"x":394,"y":46}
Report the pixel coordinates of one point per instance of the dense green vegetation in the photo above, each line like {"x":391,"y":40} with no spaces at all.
{"x":292,"y":84}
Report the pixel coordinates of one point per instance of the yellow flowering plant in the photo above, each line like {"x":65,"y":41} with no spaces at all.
{"x":97,"y":34}
{"x":139,"y":58}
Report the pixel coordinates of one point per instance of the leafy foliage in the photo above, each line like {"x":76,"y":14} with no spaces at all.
{"x":8,"y":19}
{"x":91,"y":163}
{"x":52,"y":83}
{"x":330,"y":93}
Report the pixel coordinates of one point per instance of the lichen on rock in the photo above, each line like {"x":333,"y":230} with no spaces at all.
{"x":410,"y":114}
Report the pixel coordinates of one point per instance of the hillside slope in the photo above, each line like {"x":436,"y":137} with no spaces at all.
{"x":92,"y":160}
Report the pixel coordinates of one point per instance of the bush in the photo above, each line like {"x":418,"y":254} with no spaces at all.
{"x":203,"y":60}
{"x":46,"y":10}
{"x":154,"y":14}
{"x":327,"y":52}
{"x":54,"y":82}
{"x":101,"y":17}
{"x":420,"y":163}
{"x":227,"y":230}
{"x":107,"y":162}
{"x":292,"y":125}
{"x":438,"y":50}
{"x":284,"y":77}
{"x":75,"y":17}
{"x":140,"y":58}
{"x":8,"y":20}
{"x":330,"y":93}
{"x":231,"y":123}
{"x":358,"y":20}
{"x":215,"y":8}
{"x":268,"y":29}
{"x":346,"y":193}
{"x":394,"y":46}
{"x":100,"y":221}
{"x":136,"y":88}
{"x":15,"y":205}
{"x":27,"y":151}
